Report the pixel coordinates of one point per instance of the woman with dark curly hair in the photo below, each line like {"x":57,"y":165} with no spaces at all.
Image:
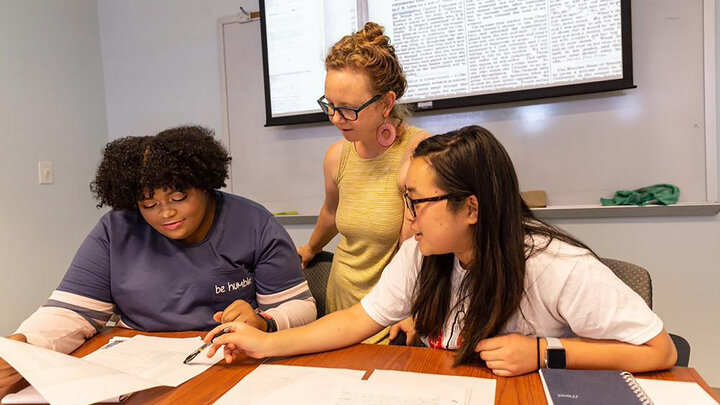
{"x":174,"y":253}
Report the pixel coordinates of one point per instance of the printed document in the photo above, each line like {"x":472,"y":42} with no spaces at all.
{"x":271,"y":384}
{"x":138,"y":363}
{"x":476,"y":391}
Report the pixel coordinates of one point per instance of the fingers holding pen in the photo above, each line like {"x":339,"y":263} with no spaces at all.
{"x":213,"y":337}
{"x":216,"y":330}
{"x":239,"y":339}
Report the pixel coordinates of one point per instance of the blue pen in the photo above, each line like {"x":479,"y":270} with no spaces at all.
{"x":194,"y":354}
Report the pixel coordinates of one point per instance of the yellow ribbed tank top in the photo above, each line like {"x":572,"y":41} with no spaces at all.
{"x":369,"y":217}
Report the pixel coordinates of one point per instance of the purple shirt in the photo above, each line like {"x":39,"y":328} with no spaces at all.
{"x":159,"y":284}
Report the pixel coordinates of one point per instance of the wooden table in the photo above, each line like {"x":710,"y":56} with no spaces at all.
{"x":212,"y":384}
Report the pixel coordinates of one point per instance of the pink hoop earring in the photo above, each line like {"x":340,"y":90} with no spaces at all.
{"x":386,"y":134}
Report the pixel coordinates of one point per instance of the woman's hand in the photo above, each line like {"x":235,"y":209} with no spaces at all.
{"x":242,"y":339}
{"x":408,"y":326}
{"x":306,"y":254}
{"x":241,"y":311}
{"x":509,"y":355}
{"x":8,"y":375}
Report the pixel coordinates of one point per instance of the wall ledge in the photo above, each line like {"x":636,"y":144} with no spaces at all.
{"x":684,"y":209}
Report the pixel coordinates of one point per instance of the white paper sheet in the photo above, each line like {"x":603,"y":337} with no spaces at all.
{"x":379,"y":392}
{"x":675,"y":392}
{"x":64,"y":379}
{"x":267,"y":379}
{"x":156,"y":359}
{"x":138,"y":363}
{"x":29,"y":395}
{"x":354,"y":392}
{"x":274,"y":384}
{"x":480,"y":391}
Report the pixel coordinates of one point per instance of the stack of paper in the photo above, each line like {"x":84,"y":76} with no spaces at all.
{"x":138,"y":363}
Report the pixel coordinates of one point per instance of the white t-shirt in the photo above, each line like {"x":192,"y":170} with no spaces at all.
{"x":568,"y":292}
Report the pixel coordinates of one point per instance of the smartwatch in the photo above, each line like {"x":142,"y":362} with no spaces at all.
{"x":554,"y":354}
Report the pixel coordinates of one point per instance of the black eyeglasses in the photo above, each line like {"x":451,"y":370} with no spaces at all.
{"x":348,"y":114}
{"x":411,"y":203}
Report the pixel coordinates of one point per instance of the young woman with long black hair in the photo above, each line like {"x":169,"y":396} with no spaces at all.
{"x":484,"y":277}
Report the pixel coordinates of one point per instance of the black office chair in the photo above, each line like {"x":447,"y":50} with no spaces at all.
{"x":638,"y":279}
{"x":317,"y":273}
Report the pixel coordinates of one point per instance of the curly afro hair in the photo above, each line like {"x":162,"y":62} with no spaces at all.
{"x":175,"y":159}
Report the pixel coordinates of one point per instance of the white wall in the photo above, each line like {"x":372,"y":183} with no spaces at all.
{"x":162,"y":69}
{"x":162,"y":63}
{"x":52,"y":108}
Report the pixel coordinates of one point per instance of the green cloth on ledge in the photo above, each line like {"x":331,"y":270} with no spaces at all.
{"x":664,"y":194}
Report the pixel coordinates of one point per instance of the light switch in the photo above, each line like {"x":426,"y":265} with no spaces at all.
{"x":45,"y":173}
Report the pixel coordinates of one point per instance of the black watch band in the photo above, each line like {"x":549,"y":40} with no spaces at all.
{"x":270,"y":324}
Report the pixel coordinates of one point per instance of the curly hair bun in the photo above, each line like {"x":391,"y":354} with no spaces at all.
{"x":374,"y":34}
{"x":175,"y":159}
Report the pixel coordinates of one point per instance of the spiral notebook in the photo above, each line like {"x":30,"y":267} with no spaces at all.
{"x":590,"y":387}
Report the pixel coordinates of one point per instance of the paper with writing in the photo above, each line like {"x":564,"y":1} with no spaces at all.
{"x":268,"y":379}
{"x":480,"y":391}
{"x":138,"y":363}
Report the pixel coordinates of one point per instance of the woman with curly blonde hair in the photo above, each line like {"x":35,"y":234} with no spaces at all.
{"x":365,"y":170}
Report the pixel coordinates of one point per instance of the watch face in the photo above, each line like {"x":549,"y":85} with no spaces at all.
{"x":555,"y":358}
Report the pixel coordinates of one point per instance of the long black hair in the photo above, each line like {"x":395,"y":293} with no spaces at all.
{"x":465,"y":162}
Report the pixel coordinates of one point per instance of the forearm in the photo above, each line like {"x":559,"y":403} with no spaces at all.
{"x":325,"y":230}
{"x":65,"y":321}
{"x":581,"y":353}
{"x":294,"y":313}
{"x":333,"y":331}
{"x":56,"y":329}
